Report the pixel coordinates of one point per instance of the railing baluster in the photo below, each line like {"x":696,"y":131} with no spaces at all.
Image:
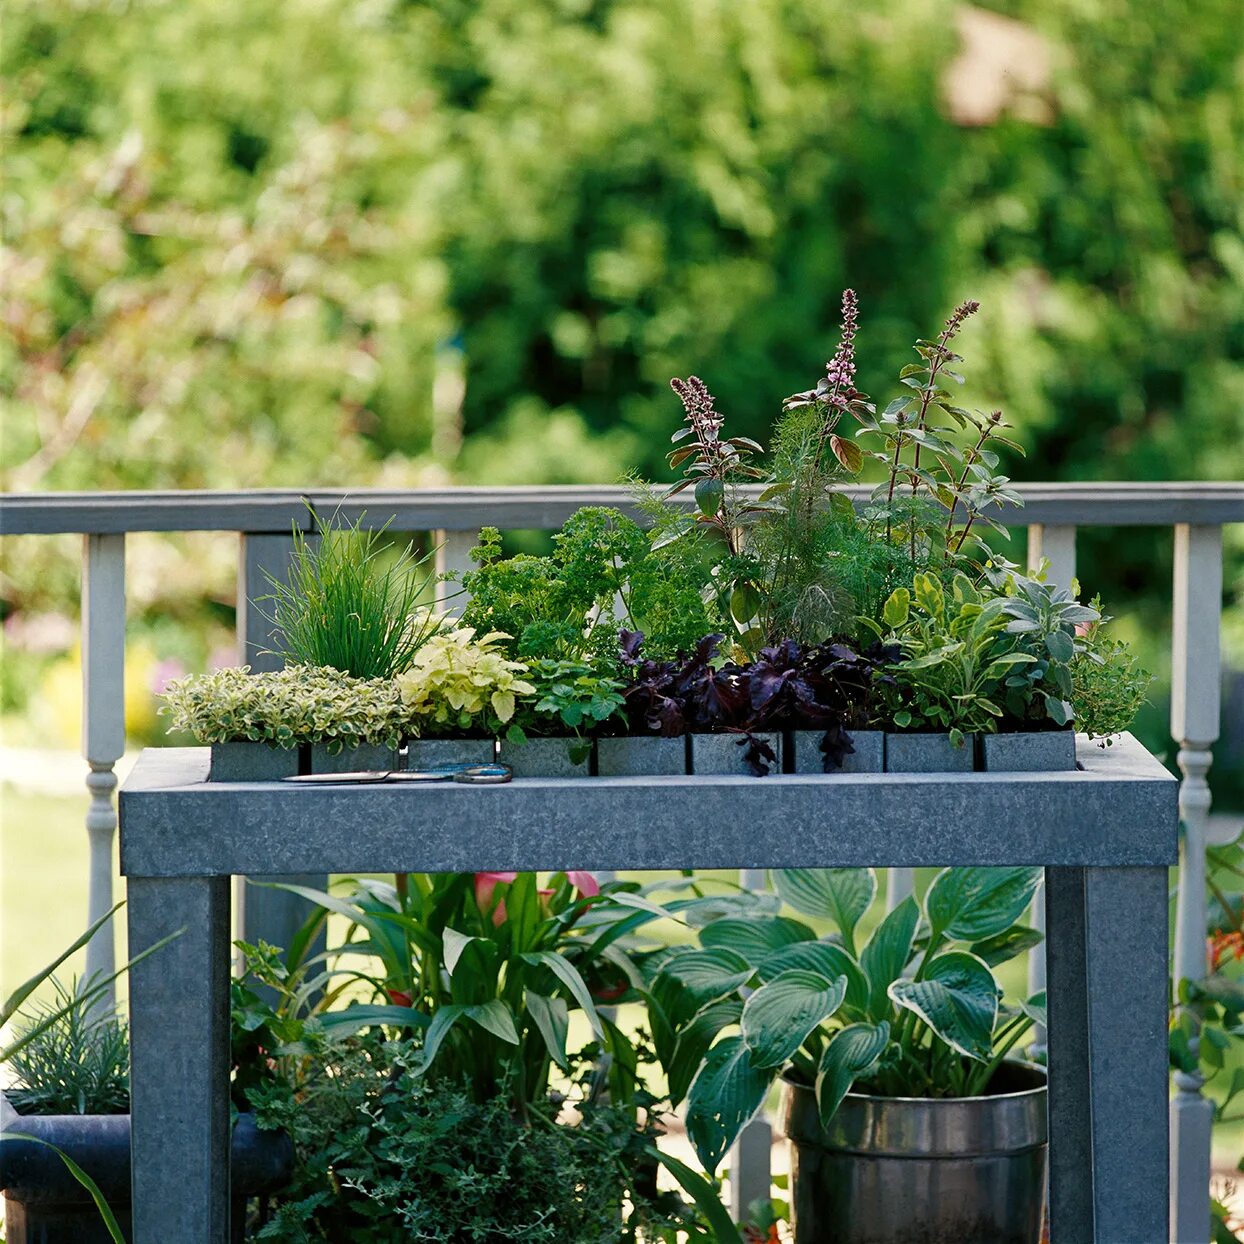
{"x":750,"y":1175}
{"x":453,"y":557}
{"x":273,"y":916}
{"x":1195,"y":692}
{"x":103,"y":728}
{"x":1058,"y":544}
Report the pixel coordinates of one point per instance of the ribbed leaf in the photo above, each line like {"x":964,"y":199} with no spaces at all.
{"x":827,"y":959}
{"x":958,"y":999}
{"x":1007,"y":944}
{"x":887,"y":954}
{"x":852,"y":1052}
{"x":693,"y":1043}
{"x":778,"y":1017}
{"x":755,"y":937}
{"x":708,"y":974}
{"x":975,"y":903}
{"x":841,"y":894}
{"x":724,"y":1098}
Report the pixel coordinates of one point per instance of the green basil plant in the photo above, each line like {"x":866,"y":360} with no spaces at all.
{"x":913,"y":1012}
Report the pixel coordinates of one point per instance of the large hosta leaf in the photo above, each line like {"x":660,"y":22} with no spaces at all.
{"x":1007,"y":945}
{"x":826,"y":959}
{"x":723,"y":1099}
{"x":958,"y":999}
{"x":707,"y":974}
{"x":852,"y":1052}
{"x":778,"y":1017}
{"x":887,"y":954}
{"x":755,"y":937}
{"x":977,"y":903}
{"x":839,"y":894}
{"x":693,"y":1042}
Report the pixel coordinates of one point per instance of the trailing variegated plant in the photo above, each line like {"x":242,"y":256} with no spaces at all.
{"x":915,"y":1011}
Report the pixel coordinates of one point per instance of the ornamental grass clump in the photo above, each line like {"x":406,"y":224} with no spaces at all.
{"x":459,"y":684}
{"x":286,"y":708}
{"x":349,"y":604}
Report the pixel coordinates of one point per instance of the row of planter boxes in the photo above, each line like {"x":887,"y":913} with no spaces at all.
{"x":797,"y":751}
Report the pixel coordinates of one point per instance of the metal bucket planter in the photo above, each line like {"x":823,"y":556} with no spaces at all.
{"x":544,"y":758}
{"x":252,"y":762}
{"x":719,"y":754}
{"x":868,"y":756}
{"x":926,"y":753}
{"x":900,"y":1170}
{"x":44,"y":1204}
{"x":1029,"y":751}
{"x":428,"y":753}
{"x":641,"y":755}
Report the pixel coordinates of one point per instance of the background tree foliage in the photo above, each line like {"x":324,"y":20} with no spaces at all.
{"x":364,"y":241}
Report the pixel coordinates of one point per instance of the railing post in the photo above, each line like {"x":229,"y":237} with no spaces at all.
{"x":103,"y":729}
{"x":1195,"y":692}
{"x":453,"y":558}
{"x":750,"y":1177}
{"x":1057,"y":543}
{"x":273,"y":916}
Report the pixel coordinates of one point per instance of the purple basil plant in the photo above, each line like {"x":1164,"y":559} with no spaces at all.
{"x":829,"y":687}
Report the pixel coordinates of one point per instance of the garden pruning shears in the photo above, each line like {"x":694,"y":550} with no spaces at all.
{"x":469,"y":775}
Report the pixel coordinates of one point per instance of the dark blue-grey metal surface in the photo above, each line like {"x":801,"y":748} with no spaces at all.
{"x":1106,"y":833}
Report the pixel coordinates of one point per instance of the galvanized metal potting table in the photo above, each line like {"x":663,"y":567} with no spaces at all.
{"x":1106,"y":835}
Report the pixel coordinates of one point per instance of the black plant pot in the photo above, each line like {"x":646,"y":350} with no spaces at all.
{"x":44,"y":1204}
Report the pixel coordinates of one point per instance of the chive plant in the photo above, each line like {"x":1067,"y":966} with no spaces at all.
{"x":347,"y":603}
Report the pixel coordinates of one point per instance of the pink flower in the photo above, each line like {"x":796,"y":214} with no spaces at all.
{"x":485,"y":886}
{"x":585,"y":883}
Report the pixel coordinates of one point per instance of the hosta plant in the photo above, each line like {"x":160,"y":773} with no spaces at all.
{"x":285,"y":708}
{"x":913,"y":1011}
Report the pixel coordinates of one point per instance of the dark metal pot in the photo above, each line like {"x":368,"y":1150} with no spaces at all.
{"x":909,"y":1170}
{"x":44,"y":1204}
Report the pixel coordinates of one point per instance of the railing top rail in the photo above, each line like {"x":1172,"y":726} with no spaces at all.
{"x":543,"y":507}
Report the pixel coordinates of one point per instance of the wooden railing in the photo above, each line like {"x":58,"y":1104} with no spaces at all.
{"x":1052,"y":513}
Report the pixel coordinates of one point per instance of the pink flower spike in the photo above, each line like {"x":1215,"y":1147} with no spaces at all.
{"x":585,"y":883}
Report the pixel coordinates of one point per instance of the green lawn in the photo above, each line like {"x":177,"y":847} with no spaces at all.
{"x":43,"y":897}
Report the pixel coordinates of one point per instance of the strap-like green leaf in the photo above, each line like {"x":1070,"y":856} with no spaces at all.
{"x":724,"y":1098}
{"x":851,"y":1053}
{"x":778,"y":1017}
{"x":958,"y":999}
{"x":976,"y":903}
{"x":454,"y":943}
{"x":551,"y":1017}
{"x":568,"y":974}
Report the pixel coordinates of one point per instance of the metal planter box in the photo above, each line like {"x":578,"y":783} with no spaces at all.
{"x":428,"y":753}
{"x":1029,"y":751}
{"x":543,"y":758}
{"x":641,"y":756}
{"x":868,"y":756}
{"x":252,"y":762}
{"x":927,"y":753}
{"x":719,"y":754}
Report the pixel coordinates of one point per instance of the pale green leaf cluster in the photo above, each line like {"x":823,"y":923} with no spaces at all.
{"x":285,"y":708}
{"x":915,"y":1013}
{"x":460,"y":684}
